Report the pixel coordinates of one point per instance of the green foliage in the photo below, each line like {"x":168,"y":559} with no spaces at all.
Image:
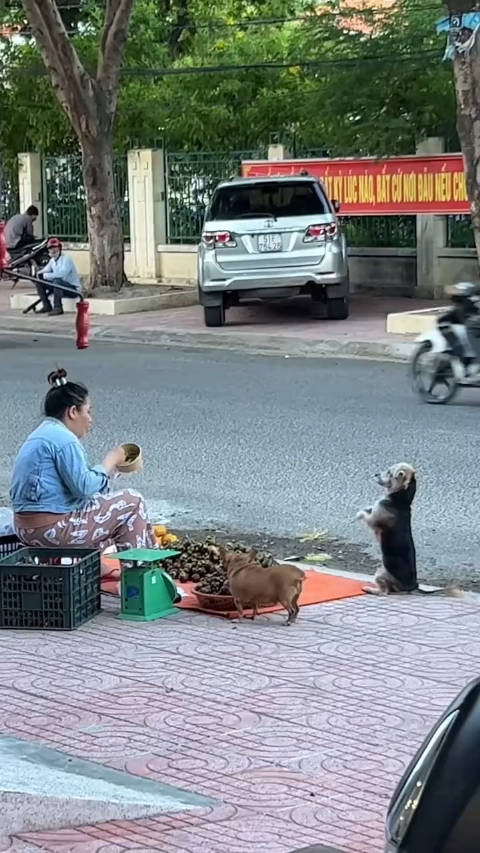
{"x":383,"y":106}
{"x":358,"y":101}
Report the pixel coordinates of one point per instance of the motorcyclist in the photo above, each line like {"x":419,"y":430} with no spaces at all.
{"x":466,"y":314}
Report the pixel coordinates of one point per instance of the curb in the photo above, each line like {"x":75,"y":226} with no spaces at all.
{"x":273,"y":345}
{"x":276,"y":345}
{"x":163,"y":301}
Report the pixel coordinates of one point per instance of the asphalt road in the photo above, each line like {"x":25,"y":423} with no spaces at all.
{"x":266,"y":444}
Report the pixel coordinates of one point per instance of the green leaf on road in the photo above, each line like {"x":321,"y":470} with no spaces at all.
{"x":321,"y":557}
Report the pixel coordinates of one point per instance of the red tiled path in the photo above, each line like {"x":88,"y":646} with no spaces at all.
{"x":291,"y":319}
{"x":300,"y":733}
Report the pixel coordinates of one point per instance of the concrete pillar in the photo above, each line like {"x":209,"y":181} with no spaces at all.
{"x":30,"y":187}
{"x":277,"y":152}
{"x":431,"y":236}
{"x":148,"y":225}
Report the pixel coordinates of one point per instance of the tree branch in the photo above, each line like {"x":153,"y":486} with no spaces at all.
{"x":71,"y":82}
{"x":182,"y":21}
{"x":112,"y":46}
{"x":459,"y":7}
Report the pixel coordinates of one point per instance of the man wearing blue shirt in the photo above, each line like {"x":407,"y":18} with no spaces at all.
{"x":60,"y":270}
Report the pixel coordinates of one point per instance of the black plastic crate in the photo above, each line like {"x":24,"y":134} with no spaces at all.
{"x":9,"y":544}
{"x":39,"y":590}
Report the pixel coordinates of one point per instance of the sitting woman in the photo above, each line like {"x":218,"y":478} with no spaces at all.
{"x":57,"y":498}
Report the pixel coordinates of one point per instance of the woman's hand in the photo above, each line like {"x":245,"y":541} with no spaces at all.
{"x":114,"y":458}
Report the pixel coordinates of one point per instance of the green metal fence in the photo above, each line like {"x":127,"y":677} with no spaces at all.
{"x":307,"y":153}
{"x":64,"y":194}
{"x":459,"y":232}
{"x":192,"y":177}
{"x":9,"y":199}
{"x":389,"y":232}
{"x":190,"y":181}
{"x":120,"y":176}
{"x":400,"y":231}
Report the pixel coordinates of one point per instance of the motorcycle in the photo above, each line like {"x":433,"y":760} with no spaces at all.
{"x":29,"y":258}
{"x":447,"y":357}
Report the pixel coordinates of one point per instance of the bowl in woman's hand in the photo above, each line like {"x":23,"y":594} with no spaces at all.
{"x":133,"y":459}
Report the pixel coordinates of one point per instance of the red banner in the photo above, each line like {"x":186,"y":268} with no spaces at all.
{"x":394,"y":187}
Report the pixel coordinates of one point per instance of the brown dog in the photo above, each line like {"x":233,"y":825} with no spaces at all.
{"x":254,"y":586}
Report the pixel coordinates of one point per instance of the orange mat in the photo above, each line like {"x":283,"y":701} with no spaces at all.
{"x":317,"y":588}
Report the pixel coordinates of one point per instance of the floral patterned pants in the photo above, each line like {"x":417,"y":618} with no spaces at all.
{"x":117,"y":518}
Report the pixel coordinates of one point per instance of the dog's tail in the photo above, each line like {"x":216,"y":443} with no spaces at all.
{"x":447,"y":591}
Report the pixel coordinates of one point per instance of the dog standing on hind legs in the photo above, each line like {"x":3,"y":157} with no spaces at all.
{"x":390,"y":518}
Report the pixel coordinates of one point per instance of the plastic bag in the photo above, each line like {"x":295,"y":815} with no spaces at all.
{"x":6,"y":521}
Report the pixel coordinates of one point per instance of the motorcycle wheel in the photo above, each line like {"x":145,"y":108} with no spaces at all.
{"x":426,"y":381}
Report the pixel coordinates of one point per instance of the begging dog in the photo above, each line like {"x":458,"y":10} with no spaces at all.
{"x":255,"y":586}
{"x":390,"y":520}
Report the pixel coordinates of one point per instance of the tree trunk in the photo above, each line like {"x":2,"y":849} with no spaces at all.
{"x":90,"y":103}
{"x":105,"y":232}
{"x":466,"y":72}
{"x":467,"y":86}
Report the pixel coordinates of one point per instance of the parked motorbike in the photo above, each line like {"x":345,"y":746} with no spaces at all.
{"x":29,"y":258}
{"x":447,"y":357}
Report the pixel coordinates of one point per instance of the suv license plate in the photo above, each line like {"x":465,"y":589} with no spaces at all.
{"x":269,"y":243}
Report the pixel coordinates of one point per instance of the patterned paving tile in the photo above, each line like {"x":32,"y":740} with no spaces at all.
{"x":300,"y":733}
{"x":238,"y":831}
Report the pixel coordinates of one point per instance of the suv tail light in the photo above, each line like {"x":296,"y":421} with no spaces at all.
{"x":316,"y":233}
{"x":218,"y":240}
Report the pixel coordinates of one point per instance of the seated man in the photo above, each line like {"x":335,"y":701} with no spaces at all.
{"x":19,"y":229}
{"x":60,"y":270}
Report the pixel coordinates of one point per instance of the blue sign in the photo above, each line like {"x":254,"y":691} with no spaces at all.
{"x":461,"y":32}
{"x":132,"y":592}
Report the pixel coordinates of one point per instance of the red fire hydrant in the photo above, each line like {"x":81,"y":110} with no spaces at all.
{"x":82,"y":324}
{"x":4,"y":257}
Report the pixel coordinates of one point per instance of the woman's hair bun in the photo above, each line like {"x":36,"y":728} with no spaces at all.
{"x":57,"y":377}
{"x":63,"y":394}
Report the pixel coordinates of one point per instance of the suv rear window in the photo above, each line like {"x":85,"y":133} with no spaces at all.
{"x":288,"y":198}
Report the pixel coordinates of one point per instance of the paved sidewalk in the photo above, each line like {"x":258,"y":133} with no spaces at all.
{"x":299,"y":735}
{"x":277,"y":329}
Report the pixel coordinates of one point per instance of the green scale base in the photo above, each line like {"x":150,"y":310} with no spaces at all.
{"x":147,"y":592}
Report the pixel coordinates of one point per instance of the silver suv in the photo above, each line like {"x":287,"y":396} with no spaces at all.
{"x":272,"y":238}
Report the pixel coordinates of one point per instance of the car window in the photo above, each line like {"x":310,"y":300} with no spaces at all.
{"x":271,"y":199}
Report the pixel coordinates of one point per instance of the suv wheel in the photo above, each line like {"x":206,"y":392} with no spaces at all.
{"x":214,"y":315}
{"x":338,"y":309}
{"x":319,"y":306}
